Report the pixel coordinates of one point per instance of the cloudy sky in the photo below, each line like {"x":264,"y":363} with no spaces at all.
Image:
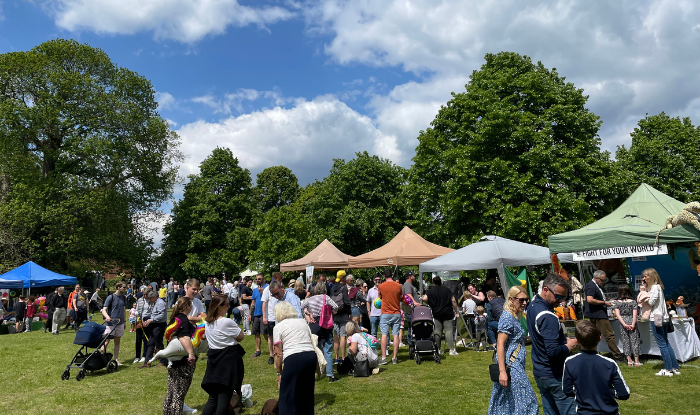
{"x":299,"y":83}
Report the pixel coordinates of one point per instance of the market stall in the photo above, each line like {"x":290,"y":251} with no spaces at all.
{"x":684,"y":339}
{"x":33,"y":275}
{"x":407,"y":248}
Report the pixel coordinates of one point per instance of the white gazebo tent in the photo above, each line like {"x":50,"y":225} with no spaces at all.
{"x":492,"y":252}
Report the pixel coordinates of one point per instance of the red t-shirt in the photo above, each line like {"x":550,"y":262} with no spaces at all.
{"x":391,"y":295}
{"x":31,"y":309}
{"x":70,"y":300}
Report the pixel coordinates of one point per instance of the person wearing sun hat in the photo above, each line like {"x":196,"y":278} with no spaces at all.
{"x":339,"y":293}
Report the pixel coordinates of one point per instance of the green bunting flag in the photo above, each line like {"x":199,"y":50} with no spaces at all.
{"x":521,"y":280}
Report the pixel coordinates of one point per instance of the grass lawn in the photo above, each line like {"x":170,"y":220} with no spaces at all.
{"x":30,"y":378}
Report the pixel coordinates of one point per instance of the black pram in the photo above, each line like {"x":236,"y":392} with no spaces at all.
{"x":422,"y":328}
{"x":90,"y":336}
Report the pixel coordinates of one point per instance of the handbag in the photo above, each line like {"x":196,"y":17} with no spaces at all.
{"x":325,"y":320}
{"x":495,"y":371}
{"x":361,"y":369}
{"x":669,"y":326}
{"x":320,"y":358}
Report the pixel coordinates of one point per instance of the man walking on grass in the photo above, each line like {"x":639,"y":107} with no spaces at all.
{"x":550,"y":346}
{"x":390,"y":294}
{"x":268,"y":305}
{"x":256,"y":316}
{"x":113,"y":312}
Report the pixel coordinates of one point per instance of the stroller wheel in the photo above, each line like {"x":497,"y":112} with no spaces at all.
{"x":417,"y":358}
{"x":112,"y":367}
{"x":65,"y":375}
{"x":436,"y":357}
{"x":81,"y":375}
{"x":410,"y":352}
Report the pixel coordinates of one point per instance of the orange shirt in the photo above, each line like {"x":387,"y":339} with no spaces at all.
{"x":70,"y":300}
{"x":391,"y":295}
{"x":559,"y":311}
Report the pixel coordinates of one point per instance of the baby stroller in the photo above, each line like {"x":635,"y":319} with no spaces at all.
{"x":90,"y":336}
{"x":422,"y":328}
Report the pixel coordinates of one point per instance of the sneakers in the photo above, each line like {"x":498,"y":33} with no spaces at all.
{"x":256,"y":354}
{"x":394,"y":361}
{"x":402,"y":344}
{"x":333,"y":379}
{"x":131,"y":330}
{"x":187,"y":410}
{"x":142,"y":360}
{"x":246,"y":333}
{"x":271,"y":361}
{"x":136,"y":360}
{"x":383,"y":361}
{"x":143,"y":366}
{"x":676,"y":372}
{"x":454,"y":353}
{"x":471,"y":345}
{"x":491,"y":349}
{"x":118,"y":363}
{"x":442,"y":352}
{"x":664,"y":372}
{"x":375,"y":371}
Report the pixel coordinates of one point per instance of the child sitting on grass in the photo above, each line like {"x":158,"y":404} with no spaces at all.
{"x":480,"y":322}
{"x":595,"y":380}
{"x":133,"y":317}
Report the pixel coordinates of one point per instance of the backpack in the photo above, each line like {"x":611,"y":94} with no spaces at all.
{"x":233,"y":297}
{"x":338,"y":298}
{"x":371,"y":341}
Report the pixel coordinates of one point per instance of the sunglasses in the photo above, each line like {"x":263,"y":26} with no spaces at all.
{"x":522,"y":300}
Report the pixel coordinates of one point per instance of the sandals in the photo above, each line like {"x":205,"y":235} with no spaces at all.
{"x":638,"y":364}
{"x":630,"y":364}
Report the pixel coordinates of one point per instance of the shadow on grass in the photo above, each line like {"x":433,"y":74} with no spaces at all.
{"x":323,"y":400}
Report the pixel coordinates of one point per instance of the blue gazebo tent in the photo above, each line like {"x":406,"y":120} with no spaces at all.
{"x":33,"y":275}
{"x":5,"y":283}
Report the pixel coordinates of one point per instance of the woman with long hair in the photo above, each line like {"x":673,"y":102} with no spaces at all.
{"x":626,"y":312}
{"x":659,"y":315}
{"x":515,"y":396}
{"x":224,"y":375}
{"x":181,"y":372}
{"x":293,"y":346}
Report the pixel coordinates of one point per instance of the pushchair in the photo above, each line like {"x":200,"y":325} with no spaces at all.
{"x":422,"y":328}
{"x":90,"y":336}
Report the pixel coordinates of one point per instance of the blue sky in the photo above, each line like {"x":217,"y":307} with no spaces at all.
{"x":299,"y":83}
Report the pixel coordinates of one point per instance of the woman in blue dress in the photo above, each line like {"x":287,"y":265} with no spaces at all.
{"x":516,"y":396}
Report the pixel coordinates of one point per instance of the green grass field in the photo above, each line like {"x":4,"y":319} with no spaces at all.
{"x":30,"y":380}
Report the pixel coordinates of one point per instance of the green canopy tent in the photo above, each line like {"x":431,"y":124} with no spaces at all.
{"x":634,"y":223}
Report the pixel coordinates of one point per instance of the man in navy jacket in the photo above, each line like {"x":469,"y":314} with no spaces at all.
{"x":550,"y":346}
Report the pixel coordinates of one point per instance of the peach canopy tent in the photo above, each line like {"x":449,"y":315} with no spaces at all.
{"x":407,"y":248}
{"x":324,"y":256}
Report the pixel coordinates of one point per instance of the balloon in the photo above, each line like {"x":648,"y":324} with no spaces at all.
{"x":378,"y":303}
{"x":41,"y":300}
{"x":43,"y":315}
{"x":407,"y":300}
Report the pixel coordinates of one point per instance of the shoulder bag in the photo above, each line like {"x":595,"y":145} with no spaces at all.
{"x":325,"y":320}
{"x":495,"y":371}
{"x":361,"y":369}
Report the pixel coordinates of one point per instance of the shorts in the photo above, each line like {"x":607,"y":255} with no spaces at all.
{"x":118,"y":330}
{"x":132,"y":320}
{"x":339,"y":323}
{"x":19,"y":317}
{"x":390,"y":321}
{"x":258,"y":326}
{"x":270,"y":327}
{"x":71,"y":313}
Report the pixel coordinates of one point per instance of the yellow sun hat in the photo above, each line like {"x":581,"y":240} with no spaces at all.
{"x":339,"y":275}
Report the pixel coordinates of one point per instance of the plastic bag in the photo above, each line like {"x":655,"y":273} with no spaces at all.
{"x":247,"y":394}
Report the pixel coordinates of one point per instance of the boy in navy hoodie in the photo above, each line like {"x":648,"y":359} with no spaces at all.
{"x":595,"y":380}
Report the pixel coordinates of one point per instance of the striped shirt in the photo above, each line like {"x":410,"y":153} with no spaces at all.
{"x":315,"y":303}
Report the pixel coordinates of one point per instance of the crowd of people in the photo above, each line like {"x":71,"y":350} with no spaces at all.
{"x":338,"y":325}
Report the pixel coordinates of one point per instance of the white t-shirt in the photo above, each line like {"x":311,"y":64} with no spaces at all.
{"x":469,"y":307}
{"x":197,"y":308}
{"x":222,"y":333}
{"x":294,"y":335}
{"x":362,"y":346}
{"x":271,"y":303}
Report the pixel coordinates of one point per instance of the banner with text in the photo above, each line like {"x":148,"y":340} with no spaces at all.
{"x":621,"y":252}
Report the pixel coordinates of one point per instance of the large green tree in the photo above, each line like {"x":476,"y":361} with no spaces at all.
{"x":210,"y":231}
{"x":276,"y":186}
{"x":665,"y":153}
{"x":84,"y":155}
{"x":517,"y":154}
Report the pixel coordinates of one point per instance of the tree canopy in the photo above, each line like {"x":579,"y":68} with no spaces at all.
{"x":517,"y":154}
{"x":83,"y":154}
{"x":665,"y":153}
{"x":276,"y":186}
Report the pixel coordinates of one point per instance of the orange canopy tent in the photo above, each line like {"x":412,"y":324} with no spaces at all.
{"x":407,"y":248}
{"x":324,"y":256}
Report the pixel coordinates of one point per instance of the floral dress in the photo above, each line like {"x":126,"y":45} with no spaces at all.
{"x":630,"y":339}
{"x":518,"y":397}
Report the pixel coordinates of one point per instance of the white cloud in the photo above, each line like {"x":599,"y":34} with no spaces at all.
{"x":304,"y":138}
{"x":236,"y":100}
{"x":182,"y":20}
{"x":165,"y":101}
{"x":632,"y":57}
